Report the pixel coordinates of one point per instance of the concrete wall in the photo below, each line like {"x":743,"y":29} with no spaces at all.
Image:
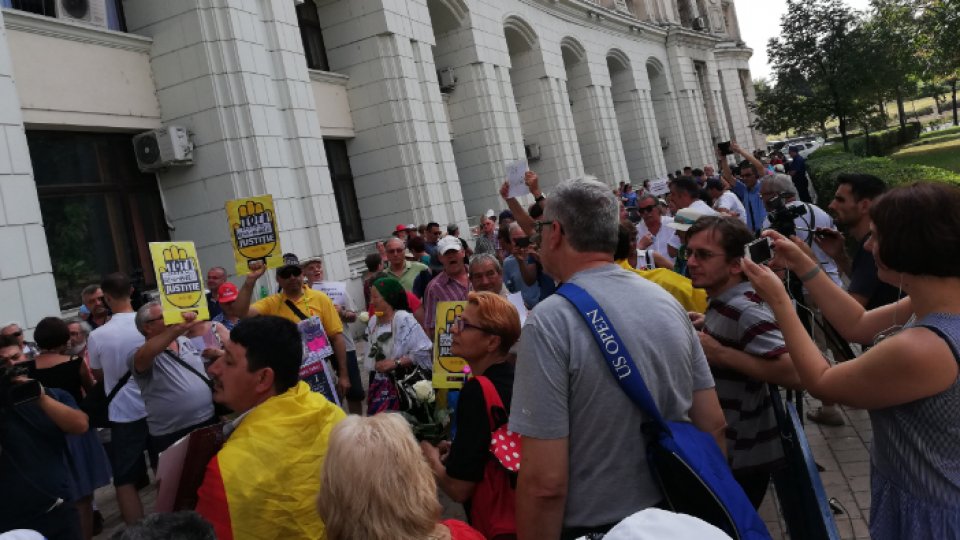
{"x":27,"y":291}
{"x":69,"y":75}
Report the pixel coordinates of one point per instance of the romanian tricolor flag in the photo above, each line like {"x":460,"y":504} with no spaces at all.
{"x":264,"y":481}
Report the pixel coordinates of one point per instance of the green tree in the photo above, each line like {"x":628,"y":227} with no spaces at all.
{"x":820,"y":44}
{"x":938,"y":39}
{"x":891,"y":32}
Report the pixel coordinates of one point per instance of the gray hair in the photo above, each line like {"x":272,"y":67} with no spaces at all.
{"x":589,"y":214}
{"x":89,"y":290}
{"x":220,"y":268}
{"x":646,"y":196}
{"x":485,"y":257}
{"x":514,"y":226}
{"x":187,"y":525}
{"x":780,"y":183}
{"x":85,"y":327}
{"x":143,"y":314}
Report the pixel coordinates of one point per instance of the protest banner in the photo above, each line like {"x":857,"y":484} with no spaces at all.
{"x":254,"y":232}
{"x":660,"y":187}
{"x":336,"y":290}
{"x":317,"y":350}
{"x":448,"y":370}
{"x":179,"y":280}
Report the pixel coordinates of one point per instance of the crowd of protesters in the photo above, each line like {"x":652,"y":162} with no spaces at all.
{"x":710,"y":330}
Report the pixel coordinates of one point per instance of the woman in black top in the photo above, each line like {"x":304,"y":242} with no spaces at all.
{"x":54,"y":369}
{"x":482,"y":335}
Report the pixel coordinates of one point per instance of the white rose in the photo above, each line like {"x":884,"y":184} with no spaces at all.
{"x":364,"y":317}
{"x":424,"y":391}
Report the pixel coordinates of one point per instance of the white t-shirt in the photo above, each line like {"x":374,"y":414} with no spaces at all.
{"x":702,"y":207}
{"x":109,"y":347}
{"x":820,"y":219}
{"x":663,"y":237}
{"x":729,"y":201}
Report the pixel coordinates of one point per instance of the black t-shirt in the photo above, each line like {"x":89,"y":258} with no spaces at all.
{"x":470,"y":450}
{"x":864,"y":280}
{"x":33,"y":465}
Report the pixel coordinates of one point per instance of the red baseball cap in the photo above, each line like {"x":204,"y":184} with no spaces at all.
{"x":227,"y":293}
{"x":400,"y":228}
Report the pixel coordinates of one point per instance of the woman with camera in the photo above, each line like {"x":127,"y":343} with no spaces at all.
{"x":35,"y":481}
{"x":54,"y":369}
{"x":908,"y":381}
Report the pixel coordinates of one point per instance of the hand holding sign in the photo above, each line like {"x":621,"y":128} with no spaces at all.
{"x":253,"y":226}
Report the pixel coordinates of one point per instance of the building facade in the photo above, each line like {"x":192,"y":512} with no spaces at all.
{"x":355,"y":115}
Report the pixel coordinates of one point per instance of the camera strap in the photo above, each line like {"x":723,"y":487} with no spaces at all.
{"x":812,"y":224}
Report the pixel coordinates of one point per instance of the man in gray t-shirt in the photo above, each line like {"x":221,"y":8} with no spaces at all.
{"x":178,"y":398}
{"x":583,"y":467}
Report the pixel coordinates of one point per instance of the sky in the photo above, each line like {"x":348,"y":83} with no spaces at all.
{"x":760,"y":21}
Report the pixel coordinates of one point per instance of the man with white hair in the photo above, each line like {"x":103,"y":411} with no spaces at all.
{"x":781,"y":186}
{"x":563,"y":394}
{"x":14,"y":329}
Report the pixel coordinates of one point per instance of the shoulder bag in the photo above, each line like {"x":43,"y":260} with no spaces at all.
{"x":97,"y":402}
{"x":685,"y":462}
{"x":493,"y":505}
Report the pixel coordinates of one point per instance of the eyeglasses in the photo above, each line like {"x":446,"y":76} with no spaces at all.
{"x":396,"y":250}
{"x":702,"y":254}
{"x":18,"y":333}
{"x":462,"y":325}
{"x":539,"y":225}
{"x":646,"y":209}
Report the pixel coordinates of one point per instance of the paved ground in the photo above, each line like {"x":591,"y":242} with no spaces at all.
{"x":841,"y":451}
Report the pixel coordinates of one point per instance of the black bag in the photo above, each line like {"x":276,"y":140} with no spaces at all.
{"x":404,"y":379}
{"x":97,"y":403}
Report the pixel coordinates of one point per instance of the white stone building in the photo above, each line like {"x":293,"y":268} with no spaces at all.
{"x":355,"y":115}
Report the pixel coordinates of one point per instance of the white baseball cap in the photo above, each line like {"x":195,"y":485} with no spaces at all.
{"x":448,"y":243}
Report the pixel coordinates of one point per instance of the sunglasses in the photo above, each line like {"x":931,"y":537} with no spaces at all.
{"x":289,"y":272}
{"x":646,"y":209}
{"x":18,"y":333}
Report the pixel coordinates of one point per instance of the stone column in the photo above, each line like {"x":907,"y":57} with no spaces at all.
{"x":402,"y":160}
{"x":233,"y":72}
{"x":598,"y":134}
{"x":27,"y":287}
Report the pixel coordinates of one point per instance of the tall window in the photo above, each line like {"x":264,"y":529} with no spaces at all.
{"x":99,"y":211}
{"x":344,"y":191}
{"x":310,"y":33}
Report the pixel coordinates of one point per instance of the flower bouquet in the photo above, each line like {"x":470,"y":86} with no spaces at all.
{"x":427,"y":421}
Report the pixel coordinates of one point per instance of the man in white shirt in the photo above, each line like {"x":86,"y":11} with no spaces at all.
{"x":724,"y":200}
{"x":109,"y":347}
{"x":653,"y":232}
{"x":685,"y":193}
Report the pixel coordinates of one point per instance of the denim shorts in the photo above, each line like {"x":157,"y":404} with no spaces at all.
{"x":128,"y":442}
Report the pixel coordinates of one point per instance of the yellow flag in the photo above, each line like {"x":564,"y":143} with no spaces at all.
{"x":448,"y":370}
{"x":254,"y":232}
{"x":179,"y":280}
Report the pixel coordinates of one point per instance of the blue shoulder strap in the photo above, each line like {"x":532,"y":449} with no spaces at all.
{"x":614,"y":351}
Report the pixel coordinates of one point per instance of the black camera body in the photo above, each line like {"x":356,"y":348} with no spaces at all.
{"x":14,"y":392}
{"x":782,"y":217}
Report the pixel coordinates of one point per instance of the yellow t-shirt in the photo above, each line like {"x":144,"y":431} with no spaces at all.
{"x":312,"y":304}
{"x":680,"y":287}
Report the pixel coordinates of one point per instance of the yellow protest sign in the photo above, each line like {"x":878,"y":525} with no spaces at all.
{"x":448,"y":370}
{"x":254,"y":232}
{"x":179,"y":280}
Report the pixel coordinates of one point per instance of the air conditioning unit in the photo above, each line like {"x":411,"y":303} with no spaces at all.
{"x":533,"y":151}
{"x":700,"y":24}
{"x":162,"y":148}
{"x":92,"y":12}
{"x":447,"y":79}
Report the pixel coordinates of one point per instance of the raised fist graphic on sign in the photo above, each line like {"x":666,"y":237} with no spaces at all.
{"x":254,"y":231}
{"x":180,"y":278}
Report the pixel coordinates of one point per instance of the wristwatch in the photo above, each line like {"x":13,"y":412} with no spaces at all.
{"x":540,"y":198}
{"x":398,"y":362}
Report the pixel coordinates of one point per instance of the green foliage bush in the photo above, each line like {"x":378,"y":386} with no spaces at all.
{"x":882,"y":143}
{"x":828,"y":163}
{"x":922,"y":111}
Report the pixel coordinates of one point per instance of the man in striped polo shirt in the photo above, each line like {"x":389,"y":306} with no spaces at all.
{"x":744,"y":348}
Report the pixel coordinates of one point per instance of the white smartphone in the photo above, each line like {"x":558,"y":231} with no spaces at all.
{"x":759,"y":251}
